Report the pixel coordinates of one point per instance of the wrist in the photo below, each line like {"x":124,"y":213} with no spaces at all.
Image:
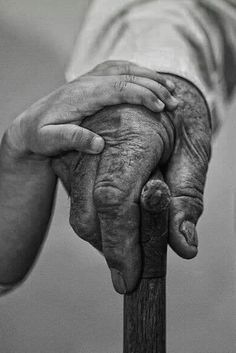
{"x":13,"y":144}
{"x":16,"y":158}
{"x":13,"y":139}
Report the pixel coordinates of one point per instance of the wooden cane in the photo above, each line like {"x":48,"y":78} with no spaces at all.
{"x":145,"y":308}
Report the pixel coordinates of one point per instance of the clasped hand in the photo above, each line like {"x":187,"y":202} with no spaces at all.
{"x":105,"y":189}
{"x":139,"y":132}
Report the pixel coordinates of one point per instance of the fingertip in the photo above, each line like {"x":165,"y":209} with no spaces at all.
{"x":159,"y":106}
{"x":126,"y":272}
{"x":118,"y":281}
{"x":184,"y":240}
{"x":173,"y":103}
{"x":97,"y":144}
{"x":189,"y":232}
{"x":170,"y":85}
{"x":182,"y":249}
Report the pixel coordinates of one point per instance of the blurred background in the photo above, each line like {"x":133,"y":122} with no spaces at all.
{"x":67,"y":305}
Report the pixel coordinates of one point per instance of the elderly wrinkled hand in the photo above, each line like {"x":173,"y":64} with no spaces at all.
{"x":105,"y":188}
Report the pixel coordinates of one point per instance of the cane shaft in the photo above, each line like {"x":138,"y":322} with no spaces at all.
{"x":145,"y":308}
{"x":145,"y":317}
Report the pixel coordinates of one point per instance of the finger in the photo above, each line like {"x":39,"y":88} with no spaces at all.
{"x":123,"y":67}
{"x":158,"y":89}
{"x":119,"y":181}
{"x":120,"y":91}
{"x":125,"y":91}
{"x":54,"y":139}
{"x":98,"y":93}
{"x":155,"y":199}
{"x":83,"y":215}
{"x":120,"y":237}
{"x":155,"y":195}
{"x":186,"y":177}
{"x":77,"y":171}
{"x":61,"y":167}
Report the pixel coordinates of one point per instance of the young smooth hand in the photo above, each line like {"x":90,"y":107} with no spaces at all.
{"x":51,"y":125}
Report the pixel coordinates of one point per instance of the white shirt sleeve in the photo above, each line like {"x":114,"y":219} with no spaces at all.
{"x":194,"y":39}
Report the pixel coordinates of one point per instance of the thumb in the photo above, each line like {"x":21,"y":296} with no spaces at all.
{"x":186,"y":176}
{"x":66,"y":137}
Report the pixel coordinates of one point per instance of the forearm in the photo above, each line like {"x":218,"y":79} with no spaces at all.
{"x":27,"y":189}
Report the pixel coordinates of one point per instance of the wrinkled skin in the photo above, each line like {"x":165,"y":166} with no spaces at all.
{"x":105,"y":188}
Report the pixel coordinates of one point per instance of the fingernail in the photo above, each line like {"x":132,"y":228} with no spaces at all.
{"x":160,"y":106}
{"x":97,"y":144}
{"x":118,"y":281}
{"x":170,"y":85}
{"x":174,"y":101}
{"x":188,"y":230}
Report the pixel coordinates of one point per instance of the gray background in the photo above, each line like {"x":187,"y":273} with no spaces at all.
{"x":67,"y":305}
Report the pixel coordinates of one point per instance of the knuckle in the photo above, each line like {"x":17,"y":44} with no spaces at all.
{"x":120,"y":85}
{"x":130,"y":78}
{"x":108,"y":197}
{"x":76,"y":136}
{"x":128,"y":67}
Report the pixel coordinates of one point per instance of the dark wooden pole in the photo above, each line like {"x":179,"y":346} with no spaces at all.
{"x":145,"y":308}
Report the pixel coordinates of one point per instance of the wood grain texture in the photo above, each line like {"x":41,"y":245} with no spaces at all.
{"x":145,"y":317}
{"x":145,"y":308}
